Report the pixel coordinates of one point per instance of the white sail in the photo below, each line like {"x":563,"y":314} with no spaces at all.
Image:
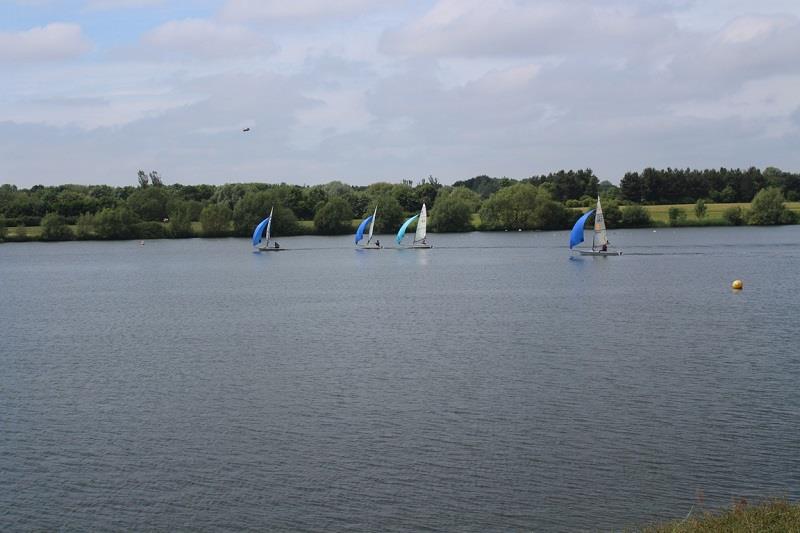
{"x":422,"y":225}
{"x":269,"y":226}
{"x":372,"y":224}
{"x":600,"y":239}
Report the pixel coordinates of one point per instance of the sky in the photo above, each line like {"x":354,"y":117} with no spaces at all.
{"x":362,"y":91}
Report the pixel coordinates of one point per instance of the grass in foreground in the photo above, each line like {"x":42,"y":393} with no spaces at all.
{"x":776,"y":516}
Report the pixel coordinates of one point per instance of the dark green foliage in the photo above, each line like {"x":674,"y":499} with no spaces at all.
{"x":551,"y":215}
{"x":635,"y":216}
{"x":255,"y":206}
{"x":768,"y":209}
{"x":84,"y":226}
{"x":454,"y":208}
{"x":3,"y":229}
{"x":149,"y":230}
{"x":390,"y":214}
{"x":150,"y":203}
{"x":676,"y":216}
{"x":484,"y":185}
{"x":511,"y":208}
{"x":566,"y":185}
{"x":180,"y":219}
{"x":115,"y":223}
{"x":700,"y":209}
{"x":735,"y":216}
{"x":54,"y":228}
{"x":215,"y":220}
{"x":334,"y":218}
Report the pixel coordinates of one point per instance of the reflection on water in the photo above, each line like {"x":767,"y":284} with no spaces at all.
{"x":492,"y":382}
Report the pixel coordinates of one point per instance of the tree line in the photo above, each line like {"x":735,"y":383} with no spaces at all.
{"x":153,"y":209}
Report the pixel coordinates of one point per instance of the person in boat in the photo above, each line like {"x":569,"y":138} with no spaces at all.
{"x":276,"y":245}
{"x":604,"y":248}
{"x":378,"y":243}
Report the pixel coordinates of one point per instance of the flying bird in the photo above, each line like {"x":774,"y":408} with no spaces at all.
{"x":246,"y":129}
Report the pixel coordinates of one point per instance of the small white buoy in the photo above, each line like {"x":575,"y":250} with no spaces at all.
{"x":141,"y":243}
{"x":737,"y":285}
{"x":520,"y":229}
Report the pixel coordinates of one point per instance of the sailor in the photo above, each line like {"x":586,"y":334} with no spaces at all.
{"x":378,"y":243}
{"x":277,"y":245}
{"x":604,"y":248}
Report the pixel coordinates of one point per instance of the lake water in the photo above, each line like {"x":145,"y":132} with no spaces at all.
{"x":491,"y":383}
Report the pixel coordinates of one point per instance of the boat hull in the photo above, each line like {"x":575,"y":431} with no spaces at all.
{"x":270,"y":249}
{"x":418,"y":247}
{"x":360,"y":247}
{"x":599,"y":253}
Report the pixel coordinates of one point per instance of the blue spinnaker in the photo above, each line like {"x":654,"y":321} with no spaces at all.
{"x":404,"y":227}
{"x":259,"y":231}
{"x":576,"y":236}
{"x":361,"y":228}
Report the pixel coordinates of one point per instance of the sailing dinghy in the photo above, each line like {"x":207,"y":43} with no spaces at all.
{"x":261,"y":236}
{"x":369,"y":245}
{"x":421,"y":233}
{"x":599,"y":239}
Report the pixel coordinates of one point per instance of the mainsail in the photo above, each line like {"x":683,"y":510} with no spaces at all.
{"x":422,"y":226}
{"x":372,"y":224}
{"x":600,"y":239}
{"x":576,"y":235}
{"x":362,"y":227}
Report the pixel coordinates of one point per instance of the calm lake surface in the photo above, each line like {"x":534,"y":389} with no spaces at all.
{"x":491,"y":383}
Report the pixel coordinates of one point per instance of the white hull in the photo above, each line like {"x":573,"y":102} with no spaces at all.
{"x":418,"y":246}
{"x":599,"y":253}
{"x":270,"y":249}
{"x":368,"y":247}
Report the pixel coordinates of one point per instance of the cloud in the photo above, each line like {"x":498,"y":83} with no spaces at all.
{"x":472,"y":28}
{"x":53,"y":42}
{"x":207,"y":39}
{"x":100,"y":5}
{"x":267,"y":10}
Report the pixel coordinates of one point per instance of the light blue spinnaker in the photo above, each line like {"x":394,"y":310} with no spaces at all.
{"x":404,"y":227}
{"x":362,"y":227}
{"x":576,"y":236}
{"x":259,"y":232}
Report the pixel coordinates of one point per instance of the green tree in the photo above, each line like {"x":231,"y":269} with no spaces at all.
{"x":390,"y":214}
{"x":255,"y":206}
{"x":3,"y":229}
{"x":215,"y":219}
{"x":335,"y":217}
{"x":150,"y":203}
{"x":768,"y":208}
{"x":180,"y":220}
{"x":676,"y":216}
{"x":84,"y":226}
{"x":115,"y":223}
{"x":735,"y":216}
{"x":551,"y":215}
{"x":453,"y":211}
{"x":635,"y":216}
{"x":700,"y":209}
{"x":511,"y":208}
{"x":54,"y":228}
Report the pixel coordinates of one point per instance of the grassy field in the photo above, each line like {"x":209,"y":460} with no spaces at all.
{"x":660,"y":213}
{"x":773,"y":516}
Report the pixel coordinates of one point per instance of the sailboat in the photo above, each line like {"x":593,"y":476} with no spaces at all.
{"x":422,"y":230}
{"x":599,"y":239}
{"x":261,"y":235}
{"x":360,"y":233}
